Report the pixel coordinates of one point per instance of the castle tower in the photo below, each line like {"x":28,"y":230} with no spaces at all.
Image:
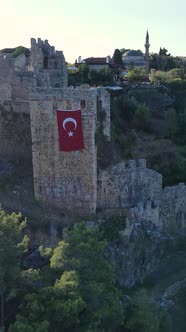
{"x":147,"y":46}
{"x":67,"y":180}
{"x":48,"y":64}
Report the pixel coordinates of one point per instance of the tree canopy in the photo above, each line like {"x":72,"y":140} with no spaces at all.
{"x":12,"y":245}
{"x":117,"y":57}
{"x":162,"y":61}
{"x":83,"y":296}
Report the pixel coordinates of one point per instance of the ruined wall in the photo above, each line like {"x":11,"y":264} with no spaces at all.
{"x":20,"y":62}
{"x":173,"y":209}
{"x":5,"y":92}
{"x":6,"y":66}
{"x":147,"y":211}
{"x":64,"y":179}
{"x":125,"y":184}
{"x":14,"y":84}
{"x":15,"y":135}
{"x":15,"y":131}
{"x":46,"y":61}
{"x":167,"y":215}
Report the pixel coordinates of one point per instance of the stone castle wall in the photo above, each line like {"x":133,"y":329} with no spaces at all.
{"x":15,"y":135}
{"x":167,"y":215}
{"x":6,"y":70}
{"x":46,"y":61}
{"x":64,"y":179}
{"x":17,"y":76}
{"x":125,"y":184}
{"x":15,"y":131}
{"x":173,"y":209}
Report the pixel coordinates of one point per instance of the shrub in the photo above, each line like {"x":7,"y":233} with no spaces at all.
{"x":113,"y":226}
{"x":141,"y":117}
{"x":19,"y":50}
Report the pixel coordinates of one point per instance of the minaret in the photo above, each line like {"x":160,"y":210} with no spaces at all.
{"x":147,"y":45}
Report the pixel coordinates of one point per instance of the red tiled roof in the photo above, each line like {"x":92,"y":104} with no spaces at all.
{"x":97,"y":61}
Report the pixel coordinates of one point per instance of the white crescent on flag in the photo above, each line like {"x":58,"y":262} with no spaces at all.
{"x":69,"y":120}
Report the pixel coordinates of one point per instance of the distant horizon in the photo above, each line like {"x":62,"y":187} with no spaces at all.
{"x":97,"y":30}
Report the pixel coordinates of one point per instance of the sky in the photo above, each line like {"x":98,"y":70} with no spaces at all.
{"x":94,"y":28}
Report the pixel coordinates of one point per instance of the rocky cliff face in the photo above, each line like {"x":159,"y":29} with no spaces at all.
{"x":137,"y":256}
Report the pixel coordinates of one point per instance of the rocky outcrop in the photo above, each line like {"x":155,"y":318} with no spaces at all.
{"x":137,"y":255}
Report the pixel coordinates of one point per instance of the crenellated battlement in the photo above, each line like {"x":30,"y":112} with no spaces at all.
{"x":44,"y":45}
{"x":133,"y":164}
{"x":48,"y":64}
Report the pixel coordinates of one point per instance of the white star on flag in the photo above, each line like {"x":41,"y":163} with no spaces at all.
{"x":70,"y":134}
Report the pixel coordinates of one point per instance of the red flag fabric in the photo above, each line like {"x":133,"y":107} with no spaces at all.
{"x":70,"y":130}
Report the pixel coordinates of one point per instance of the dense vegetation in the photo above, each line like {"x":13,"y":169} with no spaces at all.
{"x":154,"y":110}
{"x":104,"y":76}
{"x":75,"y":290}
{"x":154,"y":114}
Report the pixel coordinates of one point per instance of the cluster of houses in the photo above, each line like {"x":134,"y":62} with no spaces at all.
{"x":130,"y":58}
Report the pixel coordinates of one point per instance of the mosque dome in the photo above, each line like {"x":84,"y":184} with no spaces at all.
{"x":133,"y":53}
{"x":134,"y":57}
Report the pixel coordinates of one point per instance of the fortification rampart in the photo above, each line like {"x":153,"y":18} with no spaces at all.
{"x":167,"y":215}
{"x":15,"y":131}
{"x":173,"y":209}
{"x":125,"y":184}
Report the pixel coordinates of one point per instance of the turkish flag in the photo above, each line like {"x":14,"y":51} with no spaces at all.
{"x":70,"y":130}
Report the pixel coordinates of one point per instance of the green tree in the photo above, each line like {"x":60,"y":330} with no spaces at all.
{"x":19,"y":50}
{"x":124,"y":50}
{"x":137,"y":75}
{"x":84,"y":296}
{"x":172,"y":122}
{"x":83,"y":251}
{"x":54,"y":308}
{"x":102,"y":77}
{"x":146,"y":316}
{"x":117,"y":57}
{"x":12,"y":245}
{"x":163,"y":77}
{"x":162,"y":61}
{"x":141,"y":117}
{"x":83,"y":72}
{"x":181,"y":124}
{"x":163,"y":51}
